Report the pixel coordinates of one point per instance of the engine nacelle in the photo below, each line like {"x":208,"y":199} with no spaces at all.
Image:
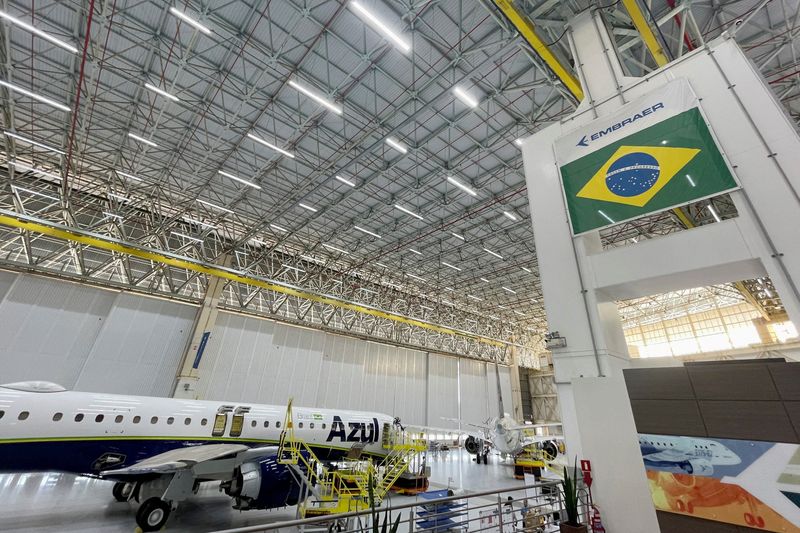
{"x":699,"y":467}
{"x":262,"y":484}
{"x":473,"y":446}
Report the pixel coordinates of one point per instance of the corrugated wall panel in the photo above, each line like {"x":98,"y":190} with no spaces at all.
{"x":48,"y":328}
{"x":473,"y":391}
{"x":442,"y":391}
{"x":139,"y":348}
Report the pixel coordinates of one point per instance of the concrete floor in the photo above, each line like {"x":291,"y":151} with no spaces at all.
{"x":51,"y":502}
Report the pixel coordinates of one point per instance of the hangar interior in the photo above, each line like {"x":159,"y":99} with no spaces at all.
{"x":474,"y":228}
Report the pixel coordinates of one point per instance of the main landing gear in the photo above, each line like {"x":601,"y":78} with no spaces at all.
{"x":153,"y":514}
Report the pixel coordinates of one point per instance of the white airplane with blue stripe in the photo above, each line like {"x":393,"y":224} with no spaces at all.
{"x":158,"y":450}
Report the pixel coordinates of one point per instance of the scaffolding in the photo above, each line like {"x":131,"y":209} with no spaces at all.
{"x":346,"y":488}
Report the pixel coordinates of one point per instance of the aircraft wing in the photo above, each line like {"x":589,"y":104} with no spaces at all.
{"x":523,"y":427}
{"x":184,"y":458}
{"x":666,"y":455}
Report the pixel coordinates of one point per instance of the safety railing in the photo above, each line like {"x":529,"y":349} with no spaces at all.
{"x":536,"y":508}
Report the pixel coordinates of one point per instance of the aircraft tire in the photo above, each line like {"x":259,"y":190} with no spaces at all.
{"x":152,"y":514}
{"x":118,"y":491}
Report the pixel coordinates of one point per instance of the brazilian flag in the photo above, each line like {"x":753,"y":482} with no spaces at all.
{"x":668,"y":164}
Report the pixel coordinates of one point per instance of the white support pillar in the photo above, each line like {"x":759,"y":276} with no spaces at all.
{"x":189,"y":375}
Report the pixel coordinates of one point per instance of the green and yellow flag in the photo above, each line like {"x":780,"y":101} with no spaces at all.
{"x":668,"y":164}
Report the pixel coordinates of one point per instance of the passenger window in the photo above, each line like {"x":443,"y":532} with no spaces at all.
{"x":137,"y":419}
{"x":118,"y":419}
{"x":277,"y":424}
{"x":219,"y":425}
{"x":23,"y":415}
{"x":187,"y":421}
{"x":57,"y":417}
{"x":170,"y":420}
{"x":79,"y":417}
{"x":311,"y":425}
{"x":2,"y":413}
{"x":323,"y":426}
{"x":154,"y":420}
{"x":204,"y":422}
{"x":236,"y":425}
{"x":266,"y":423}
{"x":253,"y":423}
{"x":99,"y":418}
{"x":300,"y":425}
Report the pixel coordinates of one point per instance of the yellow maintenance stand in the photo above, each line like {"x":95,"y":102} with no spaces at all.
{"x":345,"y":489}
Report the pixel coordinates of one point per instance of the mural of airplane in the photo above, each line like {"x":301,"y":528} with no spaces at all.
{"x":158,"y":450}
{"x":685,"y":455}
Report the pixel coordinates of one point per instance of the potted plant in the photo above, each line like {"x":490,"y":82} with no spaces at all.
{"x":570,"y":487}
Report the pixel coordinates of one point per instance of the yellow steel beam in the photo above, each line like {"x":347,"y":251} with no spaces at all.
{"x":644,"y":29}
{"x":525,"y":27}
{"x":68,"y":234}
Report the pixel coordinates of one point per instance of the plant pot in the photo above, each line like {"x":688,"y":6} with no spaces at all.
{"x":566,"y":528}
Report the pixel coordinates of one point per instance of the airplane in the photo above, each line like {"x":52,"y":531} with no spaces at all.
{"x":158,"y":450}
{"x":685,"y":455}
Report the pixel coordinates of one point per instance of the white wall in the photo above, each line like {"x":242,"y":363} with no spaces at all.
{"x":257,"y":360}
{"x":90,"y":339}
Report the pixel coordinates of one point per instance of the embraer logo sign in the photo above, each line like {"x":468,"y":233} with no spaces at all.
{"x":358,"y":431}
{"x":586,"y":139}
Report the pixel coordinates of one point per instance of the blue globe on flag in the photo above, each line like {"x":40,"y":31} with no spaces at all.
{"x":632,"y":174}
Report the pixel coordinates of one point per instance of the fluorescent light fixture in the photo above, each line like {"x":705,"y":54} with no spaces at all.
{"x":290,"y":267}
{"x":518,"y":141}
{"x":451,"y":289}
{"x":335,"y":249}
{"x":406,"y":211}
{"x":317,"y":97}
{"x":270,"y":145}
{"x":415,"y":251}
{"x":40,"y":33}
{"x":129,"y":176}
{"x":278,"y":228}
{"x":345,"y":181}
{"x":214,"y":206}
{"x":187,"y":237}
{"x":511,"y":216}
{"x":161,"y":92}
{"x":528,"y":270}
{"x":493,"y":253}
{"x":184,"y":17}
{"x":448,"y":265}
{"x":691,"y":181}
{"x":466,"y":189}
{"x":397,"y":145}
{"x":380,"y":27}
{"x":509,"y":290}
{"x":117,"y":197}
{"x":392,"y":285}
{"x":142,"y":140}
{"x":201,"y":223}
{"x":447,"y":302}
{"x":37,"y":193}
{"x":602,"y":214}
{"x":308,"y":207}
{"x":502,"y":307}
{"x":27,"y":168}
{"x":108,"y":214}
{"x":474,"y":297}
{"x":714,"y":213}
{"x":415,"y":277}
{"x":492,"y":317}
{"x":32,"y":142}
{"x":381,"y":265}
{"x":484,"y":279}
{"x":457,"y":236}
{"x":35,"y":96}
{"x":520,"y":314}
{"x":307,"y":258}
{"x":465,"y":97}
{"x":664,"y":141}
{"x":240,"y":180}
{"x":368,"y":232}
{"x":768,"y":293}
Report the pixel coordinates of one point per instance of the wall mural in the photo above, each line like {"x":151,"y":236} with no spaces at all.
{"x":748,"y":483}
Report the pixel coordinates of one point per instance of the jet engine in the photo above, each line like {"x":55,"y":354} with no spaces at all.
{"x":698,"y":467}
{"x":262,"y":484}
{"x":473,"y":446}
